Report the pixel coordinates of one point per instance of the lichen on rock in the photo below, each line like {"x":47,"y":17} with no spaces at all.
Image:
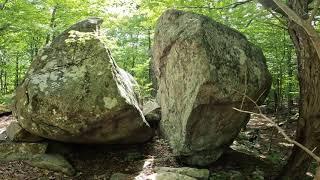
{"x":203,"y":69}
{"x":75,"y":92}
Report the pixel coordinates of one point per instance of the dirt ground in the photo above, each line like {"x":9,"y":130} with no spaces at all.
{"x":258,"y":149}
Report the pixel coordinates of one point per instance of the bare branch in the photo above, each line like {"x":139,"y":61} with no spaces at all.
{"x":278,"y":18}
{"x":269,"y":4}
{"x":314,"y":11}
{"x":280,"y":130}
{"x":310,"y":30}
{"x":229,"y":6}
{"x":291,"y":14}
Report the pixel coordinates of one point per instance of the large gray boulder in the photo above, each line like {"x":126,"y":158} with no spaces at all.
{"x":75,"y":92}
{"x":203,"y":69}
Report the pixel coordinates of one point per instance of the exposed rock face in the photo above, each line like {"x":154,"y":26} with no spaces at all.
{"x":75,"y":92}
{"x":16,"y":133}
{"x":203,"y":68}
{"x":152,"y":111}
{"x":201,"y":174}
{"x":52,"y":162}
{"x":20,"y":151}
{"x":170,"y":175}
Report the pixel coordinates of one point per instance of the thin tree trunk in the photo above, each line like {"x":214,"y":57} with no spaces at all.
{"x":52,"y":24}
{"x":17,"y":72}
{"x":5,"y":86}
{"x":308,"y":129}
{"x":276,"y":96}
{"x":290,"y":76}
{"x":1,"y":80}
{"x":152,"y":76}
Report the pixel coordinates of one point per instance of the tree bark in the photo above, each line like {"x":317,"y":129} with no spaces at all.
{"x":308,"y":129}
{"x":17,"y":72}
{"x":290,"y":76}
{"x":52,"y":24}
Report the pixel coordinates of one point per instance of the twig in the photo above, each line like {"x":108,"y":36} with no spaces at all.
{"x":232,"y":5}
{"x":278,"y":18}
{"x":280,"y":130}
{"x":272,"y":24}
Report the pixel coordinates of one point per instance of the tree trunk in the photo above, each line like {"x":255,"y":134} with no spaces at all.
{"x":52,"y":24}
{"x":290,"y":76}
{"x":308,"y":129}
{"x":5,"y":83}
{"x":276,"y":95}
{"x":17,"y":72}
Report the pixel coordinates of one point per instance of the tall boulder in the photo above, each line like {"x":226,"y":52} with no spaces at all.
{"x":75,"y":92}
{"x":203,"y":70}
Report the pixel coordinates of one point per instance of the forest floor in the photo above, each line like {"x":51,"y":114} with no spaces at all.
{"x":258,"y":151}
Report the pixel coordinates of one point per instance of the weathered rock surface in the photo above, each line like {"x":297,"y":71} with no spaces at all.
{"x":75,"y":92}
{"x":170,"y":175}
{"x":16,"y":133}
{"x":3,"y":136}
{"x":201,"y":174}
{"x":20,"y":151}
{"x":203,"y":68}
{"x":152,"y":111}
{"x":52,"y":162}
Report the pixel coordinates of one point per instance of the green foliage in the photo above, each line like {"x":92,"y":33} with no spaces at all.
{"x":275,"y":158}
{"x":26,"y":26}
{"x":141,"y":73}
{"x":6,"y":99}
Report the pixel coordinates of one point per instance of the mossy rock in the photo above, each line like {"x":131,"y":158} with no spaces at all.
{"x":17,"y":134}
{"x":52,"y":162}
{"x":20,"y":151}
{"x":75,"y":92}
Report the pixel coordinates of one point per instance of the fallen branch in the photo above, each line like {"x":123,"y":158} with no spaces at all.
{"x":282,"y":132}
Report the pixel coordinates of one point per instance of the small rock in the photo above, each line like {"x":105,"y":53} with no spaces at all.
{"x":16,"y":133}
{"x":3,"y":136}
{"x":169,"y":176}
{"x":120,"y":176}
{"x":20,"y":151}
{"x":53,"y":162}
{"x":152,"y":112}
{"x":192,"y":172}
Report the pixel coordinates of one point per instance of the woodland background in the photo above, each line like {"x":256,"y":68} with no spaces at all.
{"x":28,"y":25}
